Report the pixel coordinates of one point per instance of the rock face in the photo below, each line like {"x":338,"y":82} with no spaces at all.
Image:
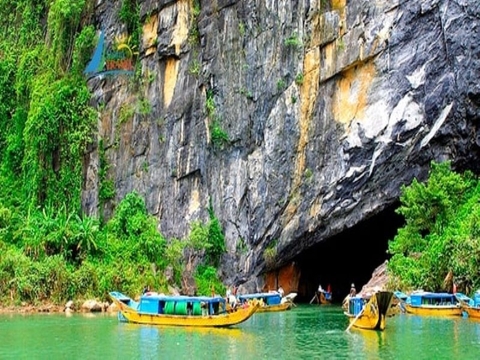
{"x":329,"y":107}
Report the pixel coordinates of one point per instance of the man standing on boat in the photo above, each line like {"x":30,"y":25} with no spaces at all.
{"x":353,"y":291}
{"x":280,"y":291}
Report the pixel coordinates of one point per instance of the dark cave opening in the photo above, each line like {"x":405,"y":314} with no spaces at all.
{"x":346,"y":258}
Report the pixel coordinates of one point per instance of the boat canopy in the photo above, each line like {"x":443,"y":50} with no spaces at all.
{"x":152,"y":303}
{"x":432,"y":295}
{"x":429,"y":298}
{"x":163,"y":297}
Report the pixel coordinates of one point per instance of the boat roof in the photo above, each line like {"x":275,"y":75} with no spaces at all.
{"x":184,"y":298}
{"x":400,"y":295}
{"x":425,"y":294}
{"x":259,"y":295}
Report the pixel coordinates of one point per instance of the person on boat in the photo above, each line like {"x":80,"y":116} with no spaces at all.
{"x":353,"y":291}
{"x":280,"y":291}
{"x":146,"y":289}
{"x":232,"y":300}
{"x":204,"y":307}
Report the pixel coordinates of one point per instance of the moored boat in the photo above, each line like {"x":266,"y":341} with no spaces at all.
{"x":269,"y":301}
{"x":470,"y":306}
{"x":398,"y":303}
{"x":325,"y":297}
{"x":159,"y":309}
{"x":436,"y":304}
{"x":369,"y":313}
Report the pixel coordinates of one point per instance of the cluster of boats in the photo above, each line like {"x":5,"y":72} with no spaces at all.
{"x":204,"y":311}
{"x":364,"y":312}
{"x":372,"y":312}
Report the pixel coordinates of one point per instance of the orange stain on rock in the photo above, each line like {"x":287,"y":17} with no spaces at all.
{"x":288,"y":277}
{"x":171,"y":74}
{"x":350,"y":99}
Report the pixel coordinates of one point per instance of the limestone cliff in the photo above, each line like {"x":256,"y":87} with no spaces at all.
{"x":329,"y":107}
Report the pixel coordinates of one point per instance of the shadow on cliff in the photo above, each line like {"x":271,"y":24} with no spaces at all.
{"x":349,"y":257}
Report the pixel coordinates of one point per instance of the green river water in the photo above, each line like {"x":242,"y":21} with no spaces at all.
{"x":305,"y":332}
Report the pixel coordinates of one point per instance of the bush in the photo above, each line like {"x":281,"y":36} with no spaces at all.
{"x":441,"y":233}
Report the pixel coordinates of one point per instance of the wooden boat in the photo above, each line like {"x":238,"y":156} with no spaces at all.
{"x":369,"y":313}
{"x":470,"y":306}
{"x":159,"y":309}
{"x":324,"y":297}
{"x":269,"y":301}
{"x":429,"y":303}
{"x":398,"y":303}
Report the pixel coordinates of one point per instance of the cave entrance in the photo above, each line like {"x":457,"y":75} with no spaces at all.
{"x":346,"y":258}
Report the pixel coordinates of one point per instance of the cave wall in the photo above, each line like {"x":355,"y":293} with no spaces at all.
{"x":329,"y":107}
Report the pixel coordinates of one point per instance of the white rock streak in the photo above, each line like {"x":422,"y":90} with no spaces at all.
{"x":438,"y":123}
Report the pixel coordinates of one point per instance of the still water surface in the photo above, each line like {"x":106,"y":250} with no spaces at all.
{"x":306,"y":332}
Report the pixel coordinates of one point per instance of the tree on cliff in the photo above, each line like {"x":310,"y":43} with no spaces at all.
{"x":441,"y":235}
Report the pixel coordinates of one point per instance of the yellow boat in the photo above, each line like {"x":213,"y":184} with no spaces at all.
{"x":470,"y":306}
{"x":159,"y":309}
{"x":279,"y":307}
{"x":325,"y":297}
{"x":433,"y":304}
{"x":472,"y":312}
{"x":369,"y":313}
{"x":269,"y":302}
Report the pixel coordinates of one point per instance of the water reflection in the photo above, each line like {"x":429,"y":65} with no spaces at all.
{"x":186,"y":342}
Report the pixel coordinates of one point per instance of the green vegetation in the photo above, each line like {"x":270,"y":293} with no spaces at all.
{"x":241,"y":29}
{"x":217,"y":134}
{"x":193,"y":32}
{"x":441,"y":235}
{"x":195,"y":67}
{"x":51,"y":250}
{"x":281,"y":85}
{"x":293,"y":42}
{"x":270,"y":254}
{"x":299,"y":79}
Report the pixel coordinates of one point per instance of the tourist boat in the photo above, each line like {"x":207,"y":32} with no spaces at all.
{"x":325,"y":297}
{"x":470,"y":306}
{"x":159,"y":309}
{"x":429,"y":303}
{"x":269,"y":301}
{"x":399,"y":300}
{"x":369,"y":313}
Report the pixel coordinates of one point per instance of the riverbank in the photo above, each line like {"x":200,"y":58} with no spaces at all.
{"x":29,"y":308}
{"x":87,"y":306}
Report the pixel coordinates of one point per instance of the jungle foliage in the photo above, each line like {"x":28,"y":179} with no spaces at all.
{"x":49,"y":249}
{"x":441,"y":235}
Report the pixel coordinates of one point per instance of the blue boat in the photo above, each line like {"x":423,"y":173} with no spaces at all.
{"x":159,"y":309}
{"x":430,"y":303}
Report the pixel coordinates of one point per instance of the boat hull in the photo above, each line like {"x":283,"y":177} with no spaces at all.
{"x":221,"y":320}
{"x":273,"y":308}
{"x":434,"y":310}
{"x":373,"y":316}
{"x":323,"y":299}
{"x":472,"y":312}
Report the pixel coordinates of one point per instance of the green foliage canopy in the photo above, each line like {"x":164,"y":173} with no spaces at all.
{"x":441,"y":233}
